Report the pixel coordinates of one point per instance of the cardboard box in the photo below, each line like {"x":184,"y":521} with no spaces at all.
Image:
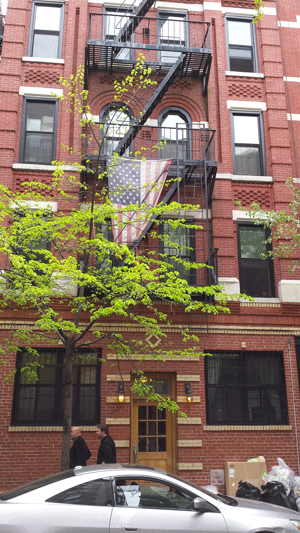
{"x":250,"y":471}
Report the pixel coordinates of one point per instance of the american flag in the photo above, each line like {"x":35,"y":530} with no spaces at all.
{"x":134,"y":182}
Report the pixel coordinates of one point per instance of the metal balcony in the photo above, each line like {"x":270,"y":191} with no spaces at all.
{"x":116,"y":39}
{"x":200,"y":254}
{"x":191,"y":148}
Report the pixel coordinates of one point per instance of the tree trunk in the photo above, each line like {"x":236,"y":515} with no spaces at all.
{"x":68,"y":403}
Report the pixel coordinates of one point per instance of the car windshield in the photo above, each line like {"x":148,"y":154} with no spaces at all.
{"x":218,"y":497}
{"x":8,"y":495}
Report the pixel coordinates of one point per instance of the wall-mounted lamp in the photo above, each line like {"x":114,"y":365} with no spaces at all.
{"x":121,"y":392}
{"x":187,"y":391}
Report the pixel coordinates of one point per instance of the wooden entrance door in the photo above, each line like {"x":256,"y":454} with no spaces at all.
{"x":153,"y":430}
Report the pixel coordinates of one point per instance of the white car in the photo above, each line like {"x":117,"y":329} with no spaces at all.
{"x":132,"y":498}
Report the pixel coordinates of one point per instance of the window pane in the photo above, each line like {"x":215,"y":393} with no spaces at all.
{"x":45,"y":45}
{"x":142,"y":412}
{"x":26,"y":404}
{"x":152,"y":412}
{"x":87,"y":404}
{"x":241,"y":60}
{"x":172,"y":32}
{"x":45,"y":404}
{"x":114,"y":24}
{"x":116,"y":124}
{"x":247,"y":161}
{"x":152,"y":444}
{"x":152,"y":494}
{"x":172,"y":29}
{"x":162,"y":444}
{"x":38,"y":148}
{"x":239,"y":32}
{"x":40,"y":116}
{"x":97,"y":492}
{"x":142,"y":444}
{"x":246,"y":129}
{"x":174,"y":133}
{"x":47,"y":18}
{"x":257,"y":280}
{"x":161,"y":386}
{"x":252,"y":241}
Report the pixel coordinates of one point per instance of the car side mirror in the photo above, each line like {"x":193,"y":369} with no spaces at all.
{"x":201,"y":505}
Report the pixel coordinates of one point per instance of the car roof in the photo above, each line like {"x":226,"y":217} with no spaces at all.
{"x":116,"y":467}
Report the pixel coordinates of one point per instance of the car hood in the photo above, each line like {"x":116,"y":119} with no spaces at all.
{"x":274,"y":510}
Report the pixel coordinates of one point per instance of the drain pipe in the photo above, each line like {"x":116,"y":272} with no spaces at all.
{"x":294,"y":405}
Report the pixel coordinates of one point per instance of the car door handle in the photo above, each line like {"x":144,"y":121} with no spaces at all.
{"x":130,"y":528}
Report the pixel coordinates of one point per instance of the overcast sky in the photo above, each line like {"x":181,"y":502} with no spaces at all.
{"x":4,"y":4}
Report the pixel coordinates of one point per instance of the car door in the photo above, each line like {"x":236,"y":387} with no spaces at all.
{"x":150,"y":505}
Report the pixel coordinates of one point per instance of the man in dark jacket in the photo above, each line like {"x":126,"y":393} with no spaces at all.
{"x":107,"y":448}
{"x":79,"y":452}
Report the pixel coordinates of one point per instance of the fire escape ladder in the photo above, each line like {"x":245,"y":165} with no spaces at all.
{"x":176,"y":71}
{"x":133,"y":21}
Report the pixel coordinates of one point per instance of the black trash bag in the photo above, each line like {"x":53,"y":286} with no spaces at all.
{"x":292,"y":501}
{"x":248,"y":491}
{"x":274,"y":492}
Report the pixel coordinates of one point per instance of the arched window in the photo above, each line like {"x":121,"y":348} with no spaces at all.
{"x":174,"y":132}
{"x":115,"y":122}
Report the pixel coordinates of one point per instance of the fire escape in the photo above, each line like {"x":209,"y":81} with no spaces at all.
{"x":175,"y":48}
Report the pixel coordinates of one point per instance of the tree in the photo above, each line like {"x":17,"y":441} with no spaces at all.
{"x":259,"y":10}
{"x":284,"y":225}
{"x":65,"y":268}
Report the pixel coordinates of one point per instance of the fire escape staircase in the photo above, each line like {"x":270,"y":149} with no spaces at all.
{"x":104,"y":53}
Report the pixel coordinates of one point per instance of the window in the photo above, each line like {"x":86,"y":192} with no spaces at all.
{"x":248,"y":153}
{"x":31,"y":232}
{"x":40,"y":402}
{"x":172,"y":29}
{"x":241,"y":45}
{"x":116,"y":122}
{"x":245,"y":388}
{"x":151,"y":494}
{"x":45,"y":38}
{"x":97,"y":492}
{"x":174,"y":133}
{"x":177,"y":247}
{"x":115,"y":20}
{"x":38,"y":133}
{"x":256,"y":274}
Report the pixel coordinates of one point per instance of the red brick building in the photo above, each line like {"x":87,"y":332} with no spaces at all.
{"x":227,"y":106}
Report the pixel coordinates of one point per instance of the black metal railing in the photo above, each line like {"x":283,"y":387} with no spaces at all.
{"x":155,"y":33}
{"x":195,"y":277}
{"x":188,"y":145}
{"x":116,"y":40}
